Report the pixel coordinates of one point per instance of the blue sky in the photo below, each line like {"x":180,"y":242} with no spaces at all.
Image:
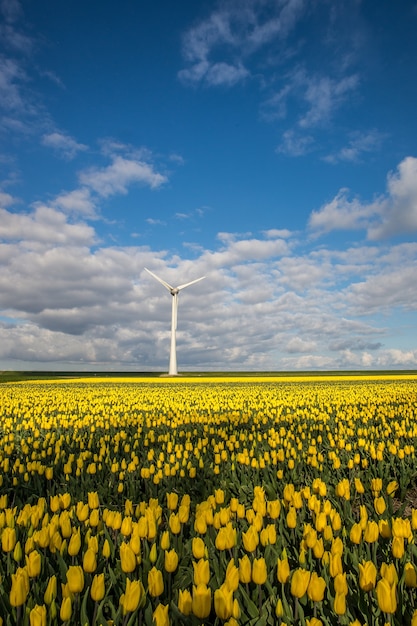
{"x":270,"y":146}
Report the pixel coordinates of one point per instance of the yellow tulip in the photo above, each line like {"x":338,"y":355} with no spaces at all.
{"x":367,"y":575}
{"x":198,"y":547}
{"x":174,"y":524}
{"x":279,"y":608}
{"x":410,"y":577}
{"x":97,"y":587}
{"x":414,"y":618}
{"x":89,"y":561}
{"x":33,"y":563}
{"x":106,"y":551}
{"x":17,"y":552}
{"x":316,"y":587}
{"x":37,"y":616}
{"x":185,"y":601}
{"x":340,"y":584}
{"x":8,"y":539}
{"x":171,"y":560}
{"x":386,"y":596}
{"x":153,"y":554}
{"x":201,"y":601}
{"x":397,"y":547}
{"x":232,"y":576}
{"x":51,"y":590}
{"x":250,"y":539}
{"x":126,"y":527}
{"x":20,"y":587}
{"x":292,"y":517}
{"x":75,"y":578}
{"x":379,"y":505}
{"x":371,"y":533}
{"x":131,"y":598}
{"x":160,"y":615}
{"x":299,"y":582}
{"x":201,"y":572}
{"x":155,"y":582}
{"x":389,"y":572}
{"x":223,"y":602}
{"x":339,"y":604}
{"x":245,"y":569}
{"x":283,"y":570}
{"x":66,"y":609}
{"x":172,"y":501}
{"x":355,"y":534}
{"x":165,"y":540}
{"x":127,"y":558}
{"x":259,"y":571}
{"x":274,"y":509}
{"x":93,"y":500}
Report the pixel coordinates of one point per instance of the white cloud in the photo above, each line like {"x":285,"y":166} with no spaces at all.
{"x":77,"y":201}
{"x":324,"y":95}
{"x":116,"y":177}
{"x":63,"y":144}
{"x":359,"y":144}
{"x":394,"y":213}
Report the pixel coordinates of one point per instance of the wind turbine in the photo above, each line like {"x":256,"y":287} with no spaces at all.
{"x":174,"y":291}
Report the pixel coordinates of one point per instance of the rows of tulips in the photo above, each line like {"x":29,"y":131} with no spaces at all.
{"x":207,"y":504}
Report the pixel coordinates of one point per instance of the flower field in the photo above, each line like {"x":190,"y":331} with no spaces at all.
{"x":209,"y":501}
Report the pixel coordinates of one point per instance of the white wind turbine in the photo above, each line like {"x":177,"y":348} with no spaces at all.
{"x":174,"y":291}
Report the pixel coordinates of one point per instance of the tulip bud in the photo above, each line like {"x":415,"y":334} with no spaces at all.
{"x":171,"y":560}
{"x":355,"y":534}
{"x":371,"y":533}
{"x":132,"y":596}
{"x":316,"y":587}
{"x":155,"y":582}
{"x":20,"y":587}
{"x":89,"y":561}
{"x":93,"y":500}
{"x":283,"y":570}
{"x":367,"y":575}
{"x":250,"y":539}
{"x":97,"y":587}
{"x":165,"y":540}
{"x":339,"y":605}
{"x":17,"y":552}
{"x":397,"y":547}
{"x":160,"y":615}
{"x":185,"y":601}
{"x":33,"y":563}
{"x":410,"y":575}
{"x":245,"y":569}
{"x":299,"y":582}
{"x":75,"y":578}
{"x":386,"y":596}
{"x":201,"y":572}
{"x":198,"y":547}
{"x":50,"y":591}
{"x":37,"y":616}
{"x":66,"y":609}
{"x":201,"y":601}
{"x":127,"y":558}
{"x":8,"y":539}
{"x":153,"y":554}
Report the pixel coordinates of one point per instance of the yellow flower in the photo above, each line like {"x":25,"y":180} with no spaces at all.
{"x":250,"y":539}
{"x":367,"y":575}
{"x":132,"y":596}
{"x":66,"y":609}
{"x":8,"y":539}
{"x":292,"y":517}
{"x":20,"y":587}
{"x":340,"y":584}
{"x":50,"y":591}
{"x":379,"y":505}
{"x":358,"y":486}
{"x":160,"y":615}
{"x":339,"y":605}
{"x":259,"y":571}
{"x":106,"y":551}
{"x":371,"y":533}
{"x":201,"y":601}
{"x":37,"y":616}
{"x":171,"y":560}
{"x":223,"y":602}
{"x":153,"y":554}
{"x":89,"y":561}
{"x":232,"y":576}
{"x":389,"y":572}
{"x":245,"y":569}
{"x":33,"y":563}
{"x":126,"y":527}
{"x":397,"y":547}
{"x":97,"y":587}
{"x":316,"y":587}
{"x":279,"y":609}
{"x":17,"y":552}
{"x":75,"y":578}
{"x":127,"y":558}
{"x":185,"y":601}
{"x":299,"y":582}
{"x":410,"y":577}
{"x":392,"y":487}
{"x":273,"y":508}
{"x":386,"y":596}
{"x":198,"y":547}
{"x":201,"y":572}
{"x":155,"y":582}
{"x":165,"y":540}
{"x":283,"y":570}
{"x":93,"y":500}
{"x":355,"y":534}
{"x":172,"y":501}
{"x":74,"y":543}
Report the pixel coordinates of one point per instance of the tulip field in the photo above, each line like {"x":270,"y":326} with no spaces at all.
{"x":216,"y":501}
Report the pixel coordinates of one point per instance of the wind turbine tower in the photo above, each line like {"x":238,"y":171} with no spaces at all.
{"x":174,"y":291}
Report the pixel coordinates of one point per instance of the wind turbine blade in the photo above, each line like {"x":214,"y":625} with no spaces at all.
{"x":191,"y":283}
{"x":165,"y":284}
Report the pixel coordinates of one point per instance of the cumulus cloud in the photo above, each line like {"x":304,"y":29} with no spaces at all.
{"x":394,"y":213}
{"x":122,"y":172}
{"x":63,"y":144}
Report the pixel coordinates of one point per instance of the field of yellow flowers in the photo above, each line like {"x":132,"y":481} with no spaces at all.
{"x":209,"y":501}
